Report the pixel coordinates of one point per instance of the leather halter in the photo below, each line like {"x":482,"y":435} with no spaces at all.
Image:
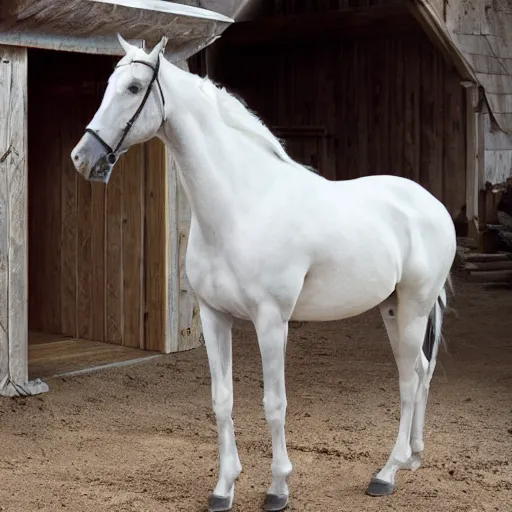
{"x":112,"y":153}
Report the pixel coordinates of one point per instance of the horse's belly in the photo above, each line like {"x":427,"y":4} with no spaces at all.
{"x":335,"y":297}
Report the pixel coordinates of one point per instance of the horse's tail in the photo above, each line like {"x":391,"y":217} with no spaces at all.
{"x":433,"y":334}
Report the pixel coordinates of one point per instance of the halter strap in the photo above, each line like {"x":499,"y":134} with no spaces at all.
{"x":112,"y":153}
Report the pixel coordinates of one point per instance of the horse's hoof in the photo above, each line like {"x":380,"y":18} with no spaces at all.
{"x":414,"y":463}
{"x":380,"y":487}
{"x":220,"y":503}
{"x":274,"y":503}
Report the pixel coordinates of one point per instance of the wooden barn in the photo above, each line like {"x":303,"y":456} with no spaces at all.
{"x":92,"y":274}
{"x":89,"y":274}
{"x":417,"y":88}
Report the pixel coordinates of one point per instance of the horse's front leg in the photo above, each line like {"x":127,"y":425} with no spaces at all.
{"x":272,"y":334}
{"x":217,"y":335}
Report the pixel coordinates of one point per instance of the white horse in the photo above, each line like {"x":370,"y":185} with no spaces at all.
{"x":271,"y":241}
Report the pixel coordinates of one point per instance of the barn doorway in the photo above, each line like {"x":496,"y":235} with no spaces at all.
{"x":96,"y":252}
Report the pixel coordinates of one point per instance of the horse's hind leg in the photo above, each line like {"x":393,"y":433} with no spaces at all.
{"x":406,"y":324}
{"x":388,"y":310}
{"x":217,"y":335}
{"x":425,"y":369}
{"x":418,"y":421}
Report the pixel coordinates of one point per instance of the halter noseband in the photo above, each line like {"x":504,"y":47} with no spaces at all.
{"x":112,"y":153}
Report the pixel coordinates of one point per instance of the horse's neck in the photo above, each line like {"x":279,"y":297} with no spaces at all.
{"x":213,"y":160}
{"x":206,"y":187}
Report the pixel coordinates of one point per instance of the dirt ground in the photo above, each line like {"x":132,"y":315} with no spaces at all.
{"x":143,"y":438}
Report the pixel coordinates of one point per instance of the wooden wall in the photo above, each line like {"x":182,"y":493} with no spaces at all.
{"x":96,"y":253}
{"x":497,"y":151}
{"x":286,"y":7}
{"x":386,"y":104}
{"x":268,"y":8}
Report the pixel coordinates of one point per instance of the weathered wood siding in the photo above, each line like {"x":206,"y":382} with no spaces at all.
{"x":497,"y":153}
{"x":97,"y":254}
{"x":387,"y":105}
{"x":481,"y":30}
{"x":13,"y":228}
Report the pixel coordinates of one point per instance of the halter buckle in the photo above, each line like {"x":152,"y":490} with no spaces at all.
{"x":111,"y":158}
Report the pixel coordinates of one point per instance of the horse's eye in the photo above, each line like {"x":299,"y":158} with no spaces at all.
{"x":134,"y":89}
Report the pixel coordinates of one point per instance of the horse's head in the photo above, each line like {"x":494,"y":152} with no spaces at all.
{"x":132,"y":111}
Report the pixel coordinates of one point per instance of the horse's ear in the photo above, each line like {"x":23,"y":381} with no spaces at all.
{"x":127,"y":47}
{"x":158,"y":49}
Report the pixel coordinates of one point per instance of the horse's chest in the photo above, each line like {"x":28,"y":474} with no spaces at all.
{"x":214,"y":281}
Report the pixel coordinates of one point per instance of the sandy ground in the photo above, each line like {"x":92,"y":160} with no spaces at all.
{"x":144,"y":439}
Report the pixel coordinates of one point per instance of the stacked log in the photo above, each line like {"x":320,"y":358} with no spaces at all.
{"x":489,"y":268}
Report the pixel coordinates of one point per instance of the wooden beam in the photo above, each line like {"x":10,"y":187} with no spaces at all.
{"x":437,"y":33}
{"x":489,"y":265}
{"x":14,"y":226}
{"x":373,"y":21}
{"x":95,"y":45}
{"x":471,"y":153}
{"x":480,"y":166}
{"x":487,"y":258}
{"x":496,"y":276}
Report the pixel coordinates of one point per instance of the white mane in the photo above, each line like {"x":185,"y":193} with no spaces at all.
{"x":235,"y":114}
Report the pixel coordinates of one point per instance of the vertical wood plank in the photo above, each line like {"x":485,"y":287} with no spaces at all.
{"x":377,"y":125}
{"x":155,"y":245}
{"x":69,"y":220}
{"x":480,"y":171}
{"x":45,"y":224}
{"x":172,"y":336}
{"x":85,"y":261}
{"x":114,"y":257}
{"x":13,"y":220}
{"x":36,"y":204}
{"x":352,"y":114}
{"x":17,"y":174}
{"x":328,"y":91}
{"x":133,"y":247}
{"x":396,"y":104}
{"x":454,"y":161}
{"x":362,"y":73}
{"x":98,"y":229}
{"x":412,"y":138}
{"x":51,"y":236}
{"x":431,"y":122}
{"x":471,"y":152}
{"x":189,"y":320}
{"x":341,"y":108}
{"x":8,"y":134}
{"x":386,"y":84}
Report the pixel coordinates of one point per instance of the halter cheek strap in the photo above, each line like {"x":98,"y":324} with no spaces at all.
{"x":112,"y":153}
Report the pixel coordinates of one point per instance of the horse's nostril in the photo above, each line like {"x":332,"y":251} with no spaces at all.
{"x":76,"y":158}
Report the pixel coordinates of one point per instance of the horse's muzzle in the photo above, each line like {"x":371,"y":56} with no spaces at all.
{"x":91,"y":159}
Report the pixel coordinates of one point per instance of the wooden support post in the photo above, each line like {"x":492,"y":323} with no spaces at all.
{"x":14,"y":226}
{"x":474,"y":155}
{"x":481,"y":194}
{"x":183,"y":330}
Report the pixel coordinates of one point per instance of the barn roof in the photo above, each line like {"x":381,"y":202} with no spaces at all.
{"x":481,"y":31}
{"x":90,"y":25}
